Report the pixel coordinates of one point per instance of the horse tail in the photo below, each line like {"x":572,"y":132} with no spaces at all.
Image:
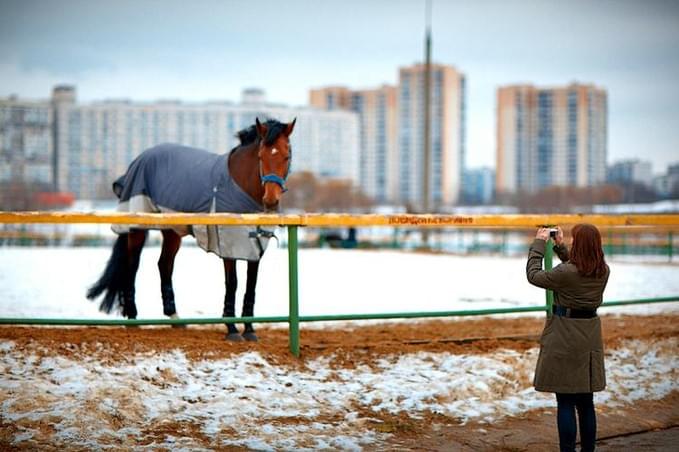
{"x":112,"y":281}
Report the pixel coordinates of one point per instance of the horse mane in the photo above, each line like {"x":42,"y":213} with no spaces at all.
{"x":249,"y":135}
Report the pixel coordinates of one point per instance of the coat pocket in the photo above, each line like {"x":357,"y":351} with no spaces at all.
{"x":546,"y":332}
{"x":597,"y":368}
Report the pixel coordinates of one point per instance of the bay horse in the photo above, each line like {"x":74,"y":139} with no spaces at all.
{"x":174,"y":178}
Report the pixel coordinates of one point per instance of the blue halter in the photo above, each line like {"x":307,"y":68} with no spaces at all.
{"x":275,"y":177}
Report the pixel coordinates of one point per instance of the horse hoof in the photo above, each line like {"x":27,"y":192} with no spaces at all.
{"x":234,"y":337}
{"x":177,"y":325}
{"x":250,"y":336}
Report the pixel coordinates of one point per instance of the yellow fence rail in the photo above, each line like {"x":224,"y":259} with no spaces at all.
{"x":334,"y":220}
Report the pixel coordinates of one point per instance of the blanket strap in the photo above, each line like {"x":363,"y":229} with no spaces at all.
{"x":258,"y":234}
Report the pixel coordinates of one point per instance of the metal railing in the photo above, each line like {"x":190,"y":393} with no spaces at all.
{"x":293,"y":222}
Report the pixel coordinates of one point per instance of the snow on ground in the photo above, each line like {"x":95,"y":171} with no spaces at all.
{"x":51,"y":282}
{"x":248,"y":402}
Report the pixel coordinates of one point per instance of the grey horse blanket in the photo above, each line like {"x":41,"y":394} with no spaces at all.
{"x":176,"y":178}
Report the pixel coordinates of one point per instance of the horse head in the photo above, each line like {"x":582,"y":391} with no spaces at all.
{"x":274,"y":160}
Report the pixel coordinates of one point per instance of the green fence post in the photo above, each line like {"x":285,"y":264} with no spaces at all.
{"x":549,"y":295}
{"x":293,"y":322}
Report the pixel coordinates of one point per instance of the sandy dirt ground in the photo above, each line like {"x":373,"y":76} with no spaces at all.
{"x":351,"y":346}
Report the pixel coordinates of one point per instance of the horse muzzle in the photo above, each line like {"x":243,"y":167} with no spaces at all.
{"x":271,"y":207}
{"x":272,"y":196}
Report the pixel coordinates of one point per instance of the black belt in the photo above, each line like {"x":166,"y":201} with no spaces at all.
{"x":563,"y":311}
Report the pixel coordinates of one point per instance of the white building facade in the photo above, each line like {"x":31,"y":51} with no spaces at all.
{"x":632,"y":170}
{"x":26,"y":146}
{"x":96,"y":142}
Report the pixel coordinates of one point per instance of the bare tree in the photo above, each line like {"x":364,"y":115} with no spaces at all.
{"x":567,"y":198}
{"x":310,"y":194}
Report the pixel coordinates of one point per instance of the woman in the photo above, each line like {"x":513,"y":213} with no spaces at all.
{"x":571,"y":360}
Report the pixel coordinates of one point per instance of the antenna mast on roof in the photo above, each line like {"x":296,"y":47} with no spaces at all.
{"x":426,"y":192}
{"x":426,"y":164}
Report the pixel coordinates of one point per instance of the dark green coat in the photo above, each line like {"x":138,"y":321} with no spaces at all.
{"x":571,"y":356}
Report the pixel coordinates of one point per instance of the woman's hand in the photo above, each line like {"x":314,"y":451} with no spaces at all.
{"x":559,"y":236}
{"x":542,"y":234}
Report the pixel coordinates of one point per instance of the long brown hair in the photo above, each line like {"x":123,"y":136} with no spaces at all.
{"x":587,"y":254}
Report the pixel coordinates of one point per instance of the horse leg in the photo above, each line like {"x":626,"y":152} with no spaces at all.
{"x":135,"y":243}
{"x":231,"y":282}
{"x":171,"y":243}
{"x":249,"y":300}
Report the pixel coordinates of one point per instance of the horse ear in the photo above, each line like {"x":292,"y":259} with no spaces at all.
{"x":289,"y":127}
{"x":261,"y":128}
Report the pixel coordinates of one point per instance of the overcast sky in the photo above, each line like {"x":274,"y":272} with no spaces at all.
{"x":199,"y":50}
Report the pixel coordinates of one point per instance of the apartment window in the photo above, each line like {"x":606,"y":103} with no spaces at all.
{"x":357,"y":103}
{"x":545,"y":139}
{"x":572,"y":137}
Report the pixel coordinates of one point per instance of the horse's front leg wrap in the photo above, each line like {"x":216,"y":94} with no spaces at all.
{"x":230,"y":311}
{"x":167,"y":293}
{"x":249,"y":309}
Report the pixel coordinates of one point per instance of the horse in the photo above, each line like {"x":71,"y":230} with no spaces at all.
{"x":173,"y":178}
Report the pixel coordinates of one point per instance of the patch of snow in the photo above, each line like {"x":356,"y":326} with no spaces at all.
{"x":379,"y":282}
{"x":272,"y":407}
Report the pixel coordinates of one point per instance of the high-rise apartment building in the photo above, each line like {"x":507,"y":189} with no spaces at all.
{"x":377,"y":111}
{"x":392,"y":139}
{"x":326,"y":144}
{"x":331,"y":98}
{"x":668,"y":184}
{"x":95,"y":142}
{"x":550,"y":136}
{"x":479,"y":185}
{"x":447,"y":135}
{"x":630,"y":171}
{"x":26,"y":148}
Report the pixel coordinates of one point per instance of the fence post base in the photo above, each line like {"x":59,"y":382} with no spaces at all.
{"x":293,"y":322}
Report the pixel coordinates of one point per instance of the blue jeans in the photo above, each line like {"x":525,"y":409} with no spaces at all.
{"x":566,"y":405}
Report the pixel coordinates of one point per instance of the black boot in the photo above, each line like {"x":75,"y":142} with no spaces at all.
{"x":129,"y":306}
{"x":169,"y":308}
{"x":230,"y":312}
{"x":167,"y":293}
{"x":249,"y":311}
